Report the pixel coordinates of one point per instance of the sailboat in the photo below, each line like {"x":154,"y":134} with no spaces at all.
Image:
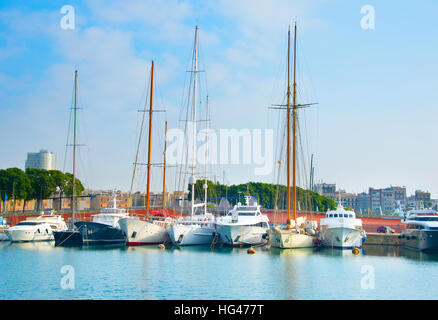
{"x":147,"y":231}
{"x":197,"y":229}
{"x":294,"y":235}
{"x":71,"y":237}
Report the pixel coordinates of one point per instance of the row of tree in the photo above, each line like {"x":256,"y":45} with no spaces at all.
{"x":269,"y":196}
{"x":36,"y":184}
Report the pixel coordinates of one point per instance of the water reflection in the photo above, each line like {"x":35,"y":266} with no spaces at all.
{"x":399,"y":251}
{"x":37,"y":245}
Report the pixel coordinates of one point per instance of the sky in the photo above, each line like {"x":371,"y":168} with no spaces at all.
{"x":374,"y":124}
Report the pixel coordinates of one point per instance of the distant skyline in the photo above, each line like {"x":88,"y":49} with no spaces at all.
{"x":374,"y":124}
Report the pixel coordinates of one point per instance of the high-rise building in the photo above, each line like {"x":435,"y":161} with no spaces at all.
{"x":41,"y":160}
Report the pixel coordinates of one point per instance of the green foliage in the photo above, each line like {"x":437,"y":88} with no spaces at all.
{"x":36,"y":183}
{"x":269,"y":196}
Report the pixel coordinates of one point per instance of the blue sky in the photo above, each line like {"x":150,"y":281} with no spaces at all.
{"x":374,"y":125}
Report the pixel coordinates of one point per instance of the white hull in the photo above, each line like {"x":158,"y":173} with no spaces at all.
{"x":191,"y":234}
{"x":241,"y":234}
{"x":19,"y":235}
{"x":140,"y":232}
{"x":341,"y":237}
{"x":288,"y":239}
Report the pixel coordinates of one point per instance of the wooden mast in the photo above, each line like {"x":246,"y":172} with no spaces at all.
{"x":164,"y":171}
{"x":73,"y":198}
{"x":294,"y":115}
{"x":150,"y":139}
{"x":288,"y":133}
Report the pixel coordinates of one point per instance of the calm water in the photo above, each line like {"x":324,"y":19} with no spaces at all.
{"x":33,"y":271}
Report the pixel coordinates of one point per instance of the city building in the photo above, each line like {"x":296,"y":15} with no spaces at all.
{"x":41,"y":160}
{"x":326,"y":190}
{"x":363,"y":202}
{"x":348,"y":200}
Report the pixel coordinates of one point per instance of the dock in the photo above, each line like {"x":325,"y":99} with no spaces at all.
{"x":384,"y":239}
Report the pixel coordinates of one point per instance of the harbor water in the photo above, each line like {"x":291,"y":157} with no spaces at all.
{"x":39,"y":270}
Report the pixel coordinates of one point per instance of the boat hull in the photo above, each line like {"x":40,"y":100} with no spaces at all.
{"x":238,"y":235}
{"x":68,"y":238}
{"x":26,"y":235}
{"x":290,"y":239}
{"x":99,"y":234}
{"x":139,"y":232}
{"x":421,"y":240}
{"x":191,"y":234}
{"x":340,"y":237}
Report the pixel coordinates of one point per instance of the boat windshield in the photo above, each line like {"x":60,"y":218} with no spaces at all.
{"x":424,"y":218}
{"x":247,"y":213}
{"x":27,"y":223}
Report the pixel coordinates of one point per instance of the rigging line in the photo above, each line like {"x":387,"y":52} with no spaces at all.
{"x":140,"y":137}
{"x":69,"y":127}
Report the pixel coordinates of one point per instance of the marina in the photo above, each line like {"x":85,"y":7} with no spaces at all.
{"x":189,"y":150}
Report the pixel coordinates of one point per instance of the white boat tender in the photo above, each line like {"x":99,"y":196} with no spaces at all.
{"x":243,"y":225}
{"x":341,"y":229}
{"x":36,"y":229}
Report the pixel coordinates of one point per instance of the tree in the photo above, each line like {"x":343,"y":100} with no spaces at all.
{"x":43,"y":184}
{"x":15,"y":184}
{"x":79,"y":188}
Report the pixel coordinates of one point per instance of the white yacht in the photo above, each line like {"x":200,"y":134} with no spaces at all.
{"x":243,"y":225}
{"x":197,"y":229}
{"x":3,"y":227}
{"x":139,"y":231}
{"x":341,"y":229}
{"x":36,"y":229}
{"x":421,"y":231}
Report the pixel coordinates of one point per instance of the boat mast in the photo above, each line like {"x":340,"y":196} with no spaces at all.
{"x":150,"y":139}
{"x":288,"y":133}
{"x":295,"y":131}
{"x":206,"y":155}
{"x":193,"y":179}
{"x":73,"y":210}
{"x":164,"y":170}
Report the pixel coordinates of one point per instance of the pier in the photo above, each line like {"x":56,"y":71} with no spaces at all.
{"x":384,"y":239}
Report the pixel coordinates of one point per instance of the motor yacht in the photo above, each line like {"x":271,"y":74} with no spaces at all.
{"x":104,"y":228}
{"x":243,"y":225}
{"x":341,"y":229}
{"x":421,"y":231}
{"x":40,"y":228}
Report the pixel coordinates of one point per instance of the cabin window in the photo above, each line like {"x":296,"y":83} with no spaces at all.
{"x":39,"y":231}
{"x":345,"y":215}
{"x":350,"y":216}
{"x":336,"y":215}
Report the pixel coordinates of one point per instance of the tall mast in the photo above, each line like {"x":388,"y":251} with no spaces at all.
{"x":295,"y":131}
{"x":164,"y":170}
{"x":150,"y":139}
{"x":195,"y":76}
{"x":288,"y":133}
{"x":206,"y":157}
{"x":73,"y":207}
